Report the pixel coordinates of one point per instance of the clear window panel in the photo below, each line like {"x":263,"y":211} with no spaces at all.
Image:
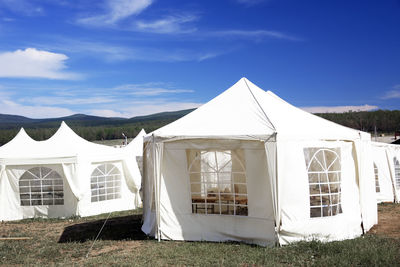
{"x":324,"y":170}
{"x":215,"y":187}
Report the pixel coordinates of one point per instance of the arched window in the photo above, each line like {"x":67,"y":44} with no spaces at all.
{"x":218,"y":182}
{"x":41,"y":186}
{"x":397,"y":172}
{"x":324,"y":177}
{"x":377,"y":187}
{"x":105,"y":183}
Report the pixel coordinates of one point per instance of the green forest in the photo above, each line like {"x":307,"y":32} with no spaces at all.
{"x":98,"y":128}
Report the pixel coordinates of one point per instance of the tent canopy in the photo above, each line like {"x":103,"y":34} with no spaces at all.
{"x":244,"y":111}
{"x":279,"y":172}
{"x":64,"y":146}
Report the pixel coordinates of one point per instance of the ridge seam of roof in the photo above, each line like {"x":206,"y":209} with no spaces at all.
{"x":251,"y":92}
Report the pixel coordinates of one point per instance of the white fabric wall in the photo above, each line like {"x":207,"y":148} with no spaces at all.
{"x":366,"y":182}
{"x":176,"y":219}
{"x":77,"y":192}
{"x":149,"y":216}
{"x":88,"y":208}
{"x":294,"y":198}
{"x":10,"y":199}
{"x":391,"y":152}
{"x":384,"y":176}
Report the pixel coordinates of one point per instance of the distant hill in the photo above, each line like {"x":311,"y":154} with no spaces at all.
{"x":99,"y":128}
{"x":14,"y":121}
{"x":89,"y":127}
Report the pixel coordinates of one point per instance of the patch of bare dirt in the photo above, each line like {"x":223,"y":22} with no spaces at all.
{"x":388,"y":221}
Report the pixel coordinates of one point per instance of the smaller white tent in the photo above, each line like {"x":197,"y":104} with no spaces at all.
{"x":384,"y":167}
{"x":64,"y":176}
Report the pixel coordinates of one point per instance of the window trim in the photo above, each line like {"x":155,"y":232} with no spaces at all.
{"x":325,"y":171}
{"x":220,"y":194}
{"x":377,"y":183}
{"x":396,"y":164}
{"x":56,"y":182}
{"x":95,"y":188}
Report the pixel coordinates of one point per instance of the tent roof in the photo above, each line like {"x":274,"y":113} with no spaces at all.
{"x":135,"y":147}
{"x":248,"y":112}
{"x":235,"y":112}
{"x":63,"y":146}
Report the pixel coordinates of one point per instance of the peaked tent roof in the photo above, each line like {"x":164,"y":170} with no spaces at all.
{"x":64,"y":145}
{"x":136,"y":145}
{"x":66,"y":141}
{"x":15,"y":144}
{"x":246,"y":111}
{"x":235,"y":112}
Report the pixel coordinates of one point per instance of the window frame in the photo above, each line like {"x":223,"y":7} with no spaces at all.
{"x":105,"y":178}
{"x":396,"y":164}
{"x":377,"y":184}
{"x":45,"y":177}
{"x":222,"y":198}
{"x":334,"y":208}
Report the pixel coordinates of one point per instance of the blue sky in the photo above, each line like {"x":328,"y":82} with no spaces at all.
{"x":134,"y":57}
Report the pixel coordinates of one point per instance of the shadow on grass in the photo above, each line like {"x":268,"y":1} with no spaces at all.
{"x":117,"y":228}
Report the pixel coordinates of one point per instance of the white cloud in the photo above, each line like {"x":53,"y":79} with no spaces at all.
{"x":150,"y":89}
{"x":254,"y":34}
{"x":339,"y":109}
{"x":139,"y":108}
{"x":170,"y":25}
{"x":116,"y":10}
{"x":39,"y":111}
{"x":115,"y":53}
{"x":107,"y":113}
{"x":393,"y":94}
{"x":32,"y":63}
{"x":72,"y":100}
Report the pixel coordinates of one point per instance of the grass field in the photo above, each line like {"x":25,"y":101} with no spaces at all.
{"x":67,"y":241}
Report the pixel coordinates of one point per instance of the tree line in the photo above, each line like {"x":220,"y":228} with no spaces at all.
{"x":385,"y":121}
{"x":90,"y":133}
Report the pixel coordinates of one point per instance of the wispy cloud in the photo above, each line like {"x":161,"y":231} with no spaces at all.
{"x":70,"y":101}
{"x":138,"y":108}
{"x":33,"y":111}
{"x":115,"y":11}
{"x":339,"y":109}
{"x":33,"y":63}
{"x":254,"y":34}
{"x":115,"y":53}
{"x":392,"y":94}
{"x":126,"y":100}
{"x":150,"y":89}
{"x":167,"y":25}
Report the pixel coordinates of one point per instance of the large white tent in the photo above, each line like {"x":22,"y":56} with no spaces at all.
{"x":248,"y":166}
{"x":387,"y":172}
{"x":64,"y":176}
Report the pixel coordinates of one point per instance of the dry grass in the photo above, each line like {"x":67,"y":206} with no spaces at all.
{"x":67,"y":241}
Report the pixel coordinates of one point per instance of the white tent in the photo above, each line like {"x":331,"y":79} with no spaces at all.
{"x":64,"y":176}
{"x":250,"y":167}
{"x":384,"y":157}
